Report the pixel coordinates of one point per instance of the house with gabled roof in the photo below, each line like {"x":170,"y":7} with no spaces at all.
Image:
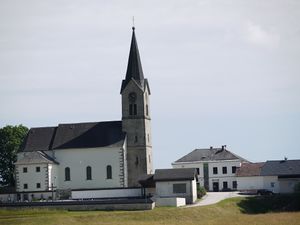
{"x":216,"y":167}
{"x":278,"y":176}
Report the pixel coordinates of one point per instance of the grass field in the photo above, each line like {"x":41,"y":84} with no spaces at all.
{"x":228,"y":212}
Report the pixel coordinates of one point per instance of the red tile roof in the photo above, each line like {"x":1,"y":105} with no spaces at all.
{"x":249,"y":169}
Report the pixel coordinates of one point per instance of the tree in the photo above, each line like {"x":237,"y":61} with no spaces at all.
{"x":11,"y":138}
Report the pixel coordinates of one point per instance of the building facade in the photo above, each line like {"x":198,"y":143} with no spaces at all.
{"x":277,"y":176}
{"x":216,"y":167}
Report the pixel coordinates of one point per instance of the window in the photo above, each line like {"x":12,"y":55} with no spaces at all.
{"x":198,"y":171}
{"x":233,"y":169}
{"x":88,"y":173}
{"x":224,"y":170}
{"x":134,"y":109}
{"x":147,"y":110}
{"x":38,"y":185}
{"x":67,"y":174}
{"x":179,"y":188}
{"x":148,"y":136}
{"x":37,"y":169}
{"x":108,"y":172}
{"x":135,"y":139}
{"x":234,"y":184}
{"x":24,"y":169}
{"x":25,"y":186}
{"x":272,"y":184}
{"x":130,"y":109}
{"x":215,"y":170}
{"x":225,"y":185}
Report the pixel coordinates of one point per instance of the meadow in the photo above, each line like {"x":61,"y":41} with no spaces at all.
{"x":235,"y":211}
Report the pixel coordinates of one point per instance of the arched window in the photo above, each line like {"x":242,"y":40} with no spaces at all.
{"x":108,"y":172}
{"x":88,"y":173}
{"x":67,"y":174}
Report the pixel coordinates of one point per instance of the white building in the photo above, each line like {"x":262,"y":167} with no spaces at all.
{"x":172,"y":183}
{"x":216,"y":167}
{"x":278,"y":176}
{"x":94,"y":155}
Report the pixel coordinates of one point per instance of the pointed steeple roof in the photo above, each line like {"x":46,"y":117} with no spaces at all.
{"x":134,"y":66}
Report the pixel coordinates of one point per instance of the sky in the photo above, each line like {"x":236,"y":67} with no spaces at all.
{"x":220,"y":72}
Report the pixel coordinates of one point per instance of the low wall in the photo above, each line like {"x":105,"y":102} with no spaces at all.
{"x":170,"y":202}
{"x":30,"y":196}
{"x":119,"y":204}
{"x":107,"y":193}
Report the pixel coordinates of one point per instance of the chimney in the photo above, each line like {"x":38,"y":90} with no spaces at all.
{"x":223,"y":147}
{"x":211,"y":147}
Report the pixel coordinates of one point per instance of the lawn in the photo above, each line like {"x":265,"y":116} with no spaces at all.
{"x":228,"y":212}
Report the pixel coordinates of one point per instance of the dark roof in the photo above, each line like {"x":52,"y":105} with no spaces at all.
{"x":281,"y":168}
{"x":36,"y":157}
{"x":147,"y":180}
{"x":38,"y":139}
{"x":249,"y":169}
{"x":210,"y":154}
{"x":134,"y":66}
{"x":174,"y":174}
{"x":88,"y":135}
{"x":76,"y":135}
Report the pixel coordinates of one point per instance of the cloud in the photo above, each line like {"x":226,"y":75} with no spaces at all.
{"x":256,"y":34}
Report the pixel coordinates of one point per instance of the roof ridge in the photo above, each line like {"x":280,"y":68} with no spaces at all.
{"x":107,"y":121}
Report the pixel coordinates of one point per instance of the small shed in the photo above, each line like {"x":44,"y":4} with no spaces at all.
{"x":180,"y":183}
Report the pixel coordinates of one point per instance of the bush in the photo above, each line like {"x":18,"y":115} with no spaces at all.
{"x":200,"y":191}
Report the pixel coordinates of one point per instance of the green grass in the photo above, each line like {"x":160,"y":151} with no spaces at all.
{"x":229,"y":211}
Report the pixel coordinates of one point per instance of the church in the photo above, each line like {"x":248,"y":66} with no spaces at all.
{"x":93,"y":155}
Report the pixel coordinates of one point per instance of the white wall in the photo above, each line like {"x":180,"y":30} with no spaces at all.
{"x":108,"y":193}
{"x":31,"y":178}
{"x":175,"y":202}
{"x":220,"y":177}
{"x":194,"y":190}
{"x":97,"y":158}
{"x":250,"y":183}
{"x":164,"y":189}
{"x":268,"y":181}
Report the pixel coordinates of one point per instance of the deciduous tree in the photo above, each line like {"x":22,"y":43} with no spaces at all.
{"x":11,"y":138}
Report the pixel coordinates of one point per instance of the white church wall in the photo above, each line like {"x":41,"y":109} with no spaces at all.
{"x":98,"y":159}
{"x":107,"y":193}
{"x":53,"y":176}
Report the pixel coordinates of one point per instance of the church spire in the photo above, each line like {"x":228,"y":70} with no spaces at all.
{"x":134,"y":66}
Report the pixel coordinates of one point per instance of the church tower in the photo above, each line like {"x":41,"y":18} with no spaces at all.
{"x":136,"y":121}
